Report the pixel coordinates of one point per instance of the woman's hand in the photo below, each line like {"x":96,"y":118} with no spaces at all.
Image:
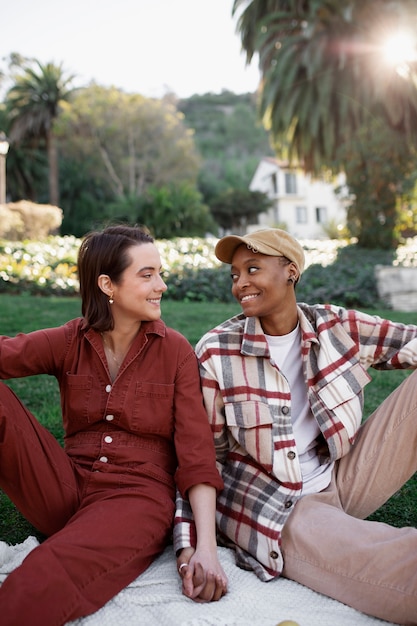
{"x":203,"y":578}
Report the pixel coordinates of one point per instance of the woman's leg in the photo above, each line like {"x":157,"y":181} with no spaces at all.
{"x":369,"y":566}
{"x":327,"y":544}
{"x":35,"y":471}
{"x":111,"y":540}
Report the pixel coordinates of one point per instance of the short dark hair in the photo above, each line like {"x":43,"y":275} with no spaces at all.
{"x":104,"y":252}
{"x":284,"y":260}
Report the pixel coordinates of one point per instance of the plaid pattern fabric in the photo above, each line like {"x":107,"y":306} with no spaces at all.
{"x":248,"y":402}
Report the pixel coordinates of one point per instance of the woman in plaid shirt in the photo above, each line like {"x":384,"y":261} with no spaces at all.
{"x":283,"y":387}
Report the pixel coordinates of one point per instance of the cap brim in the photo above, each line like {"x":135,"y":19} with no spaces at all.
{"x":225,"y":248}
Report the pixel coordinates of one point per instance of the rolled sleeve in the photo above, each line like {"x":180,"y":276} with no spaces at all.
{"x":184,"y":535}
{"x":193,"y":438}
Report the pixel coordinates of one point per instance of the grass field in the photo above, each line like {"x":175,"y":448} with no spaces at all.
{"x":40,"y":393}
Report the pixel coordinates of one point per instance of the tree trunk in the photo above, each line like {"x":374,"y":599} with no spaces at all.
{"x":52,"y":150}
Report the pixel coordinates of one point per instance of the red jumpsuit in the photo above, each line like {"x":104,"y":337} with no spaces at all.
{"x":106,"y":501}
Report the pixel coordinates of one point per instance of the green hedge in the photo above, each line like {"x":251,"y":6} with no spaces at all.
{"x":336,"y":271}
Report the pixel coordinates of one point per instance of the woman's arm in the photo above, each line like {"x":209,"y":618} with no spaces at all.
{"x":203,"y":577}
{"x":37,"y":352}
{"x":184,"y":528}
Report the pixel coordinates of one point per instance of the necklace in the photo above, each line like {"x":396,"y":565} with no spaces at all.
{"x":113,"y":356}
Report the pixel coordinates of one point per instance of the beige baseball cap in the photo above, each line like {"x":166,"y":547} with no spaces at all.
{"x":269,"y":241}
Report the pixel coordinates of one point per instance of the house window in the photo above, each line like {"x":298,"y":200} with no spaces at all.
{"x":321,"y":214}
{"x":274,"y":180}
{"x":301,"y":214}
{"x":290,"y":183}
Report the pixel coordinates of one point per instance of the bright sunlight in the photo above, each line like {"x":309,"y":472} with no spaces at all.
{"x":400,"y":51}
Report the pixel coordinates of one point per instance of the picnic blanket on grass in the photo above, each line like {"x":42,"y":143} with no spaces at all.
{"x":155,"y":599}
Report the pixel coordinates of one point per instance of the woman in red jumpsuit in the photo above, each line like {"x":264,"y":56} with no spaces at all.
{"x":135,"y":429}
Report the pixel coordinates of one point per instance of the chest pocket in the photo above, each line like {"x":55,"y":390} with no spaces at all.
{"x":344,"y":397}
{"x":250,"y":424}
{"x":153,"y":408}
{"x":77,"y":397}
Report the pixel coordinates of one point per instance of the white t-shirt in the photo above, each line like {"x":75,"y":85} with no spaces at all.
{"x":286,"y":353}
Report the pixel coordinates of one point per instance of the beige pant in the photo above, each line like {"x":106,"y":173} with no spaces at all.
{"x":327,"y":543}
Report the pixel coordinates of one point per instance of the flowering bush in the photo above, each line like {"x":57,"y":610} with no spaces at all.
{"x":40,"y":267}
{"x":335,"y":270}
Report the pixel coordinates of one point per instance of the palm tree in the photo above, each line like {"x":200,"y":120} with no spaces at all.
{"x":324,"y":78}
{"x":33,"y":103}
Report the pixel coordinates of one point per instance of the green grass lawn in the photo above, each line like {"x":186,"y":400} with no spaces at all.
{"x":40,"y":393}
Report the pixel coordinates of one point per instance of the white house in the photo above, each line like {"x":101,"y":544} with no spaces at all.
{"x":303,"y":205}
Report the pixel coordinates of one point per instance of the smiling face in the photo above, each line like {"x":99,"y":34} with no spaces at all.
{"x":262,"y":286}
{"x":137,"y":296}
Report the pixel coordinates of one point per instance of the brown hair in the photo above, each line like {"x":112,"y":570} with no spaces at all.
{"x":104,"y":252}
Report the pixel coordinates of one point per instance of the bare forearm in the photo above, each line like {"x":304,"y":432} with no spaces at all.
{"x":203,"y":503}
{"x":203,"y":577}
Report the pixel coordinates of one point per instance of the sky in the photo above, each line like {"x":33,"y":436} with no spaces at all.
{"x":149,"y":47}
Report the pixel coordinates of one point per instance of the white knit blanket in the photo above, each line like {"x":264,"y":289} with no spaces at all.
{"x":155,"y":599}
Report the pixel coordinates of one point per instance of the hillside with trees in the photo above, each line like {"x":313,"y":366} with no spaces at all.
{"x":178,"y":166}
{"x":229,"y":137}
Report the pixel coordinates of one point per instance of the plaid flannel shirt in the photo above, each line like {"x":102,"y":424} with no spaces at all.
{"x":248,"y":402}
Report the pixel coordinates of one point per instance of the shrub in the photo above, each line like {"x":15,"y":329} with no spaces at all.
{"x":41,"y":268}
{"x":349,"y":281}
{"x":335,"y":272}
{"x":200,"y":285}
{"x":28,"y":220}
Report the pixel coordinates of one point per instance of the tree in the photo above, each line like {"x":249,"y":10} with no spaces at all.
{"x":175,"y":210}
{"x":117,"y":146}
{"x":85,"y":197}
{"x":324,"y":80}
{"x":172,"y":210}
{"x":381,"y":171}
{"x":33,"y":104}
{"x":136,"y":141}
{"x":235,"y":209}
{"x":229,"y":137}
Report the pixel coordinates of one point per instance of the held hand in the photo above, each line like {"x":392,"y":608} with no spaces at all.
{"x":203,"y":578}
{"x":184,"y":556}
{"x":183,"y":559}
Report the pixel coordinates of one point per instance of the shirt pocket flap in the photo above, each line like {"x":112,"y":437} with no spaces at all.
{"x":79,"y":381}
{"x":249,"y":414}
{"x":345,"y":386}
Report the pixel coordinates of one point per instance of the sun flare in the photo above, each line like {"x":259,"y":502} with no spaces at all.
{"x":400,"y":49}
